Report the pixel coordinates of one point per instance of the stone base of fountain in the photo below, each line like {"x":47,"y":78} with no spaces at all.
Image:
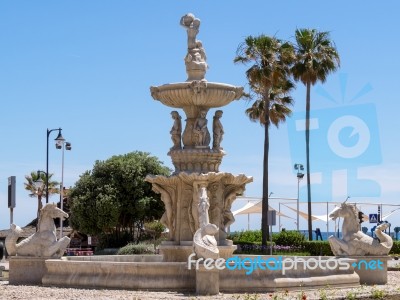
{"x":371,"y":269}
{"x":25,"y":270}
{"x":207,"y":281}
{"x":141,"y":272}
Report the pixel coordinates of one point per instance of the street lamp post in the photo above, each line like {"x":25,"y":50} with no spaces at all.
{"x":298,"y":167}
{"x":59,"y":138}
{"x":62,"y":144}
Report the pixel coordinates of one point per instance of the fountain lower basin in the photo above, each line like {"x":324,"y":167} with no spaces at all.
{"x":147,"y":272}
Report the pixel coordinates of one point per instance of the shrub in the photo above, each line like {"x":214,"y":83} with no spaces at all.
{"x":106,"y":251}
{"x":252,"y":248}
{"x":317,"y":248}
{"x":132,"y":249}
{"x":396,"y":248}
{"x":289,"y":238}
{"x":248,"y":236}
{"x":154,"y":228}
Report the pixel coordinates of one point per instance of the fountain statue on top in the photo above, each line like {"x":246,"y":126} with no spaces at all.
{"x":195,"y":60}
{"x":197,"y":176}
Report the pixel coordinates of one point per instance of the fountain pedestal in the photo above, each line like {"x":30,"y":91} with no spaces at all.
{"x":25,"y":270}
{"x":197,"y":196}
{"x":207,"y":280}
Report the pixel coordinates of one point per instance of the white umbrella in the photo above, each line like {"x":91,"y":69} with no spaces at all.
{"x":255,"y":208}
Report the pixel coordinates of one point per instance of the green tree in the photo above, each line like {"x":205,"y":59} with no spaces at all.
{"x":316,"y":58}
{"x":114,"y":199}
{"x":40,"y":192}
{"x":269,"y":81}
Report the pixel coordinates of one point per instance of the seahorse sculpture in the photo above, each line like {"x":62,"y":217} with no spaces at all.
{"x":42,"y":243}
{"x":354,"y":241}
{"x":204,"y":242}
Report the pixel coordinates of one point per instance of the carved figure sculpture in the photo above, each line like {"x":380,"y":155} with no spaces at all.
{"x":176,"y":131}
{"x":201,"y":135}
{"x":42,"y":243}
{"x":168,"y":218}
{"x":204,"y":242}
{"x":354,"y":241}
{"x":192,"y":24}
{"x":195,"y":59}
{"x":218,"y":130}
{"x":194,"y":208}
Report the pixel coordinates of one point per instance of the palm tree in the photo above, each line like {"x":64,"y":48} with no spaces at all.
{"x":40,"y":191}
{"x":269,"y":81}
{"x":316,"y":58}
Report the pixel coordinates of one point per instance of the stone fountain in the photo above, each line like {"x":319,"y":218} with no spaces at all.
{"x":198,"y":199}
{"x":196,"y":163}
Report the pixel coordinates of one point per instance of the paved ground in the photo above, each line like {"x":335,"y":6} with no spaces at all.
{"x":390,"y":291}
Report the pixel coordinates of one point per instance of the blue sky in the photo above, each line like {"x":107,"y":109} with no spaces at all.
{"x":87,"y":66}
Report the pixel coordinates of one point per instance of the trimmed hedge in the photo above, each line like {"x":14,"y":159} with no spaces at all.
{"x":132,"y":249}
{"x":318,"y":248}
{"x":249,"y":242}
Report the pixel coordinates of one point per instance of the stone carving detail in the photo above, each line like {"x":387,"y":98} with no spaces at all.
{"x":44,"y":242}
{"x":154,"y":91}
{"x":204,"y":242}
{"x":215,"y":211}
{"x":196,"y":160}
{"x":227,"y":216}
{"x":184,"y":190}
{"x":218,"y":130}
{"x":176,"y":131}
{"x":354,"y":241}
{"x":194,"y":208}
{"x":195,"y":60}
{"x":201,"y":135}
{"x":198,"y":86}
{"x":168,"y":218}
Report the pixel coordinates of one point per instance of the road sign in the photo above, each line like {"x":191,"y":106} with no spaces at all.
{"x":373,"y":218}
{"x":272,"y":217}
{"x":11,"y":192}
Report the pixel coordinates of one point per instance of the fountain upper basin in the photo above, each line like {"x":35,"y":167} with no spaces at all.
{"x":198,"y":93}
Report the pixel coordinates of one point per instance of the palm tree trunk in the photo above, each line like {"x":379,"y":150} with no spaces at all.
{"x":39,"y":197}
{"x":265,"y":200}
{"x":308,"y":104}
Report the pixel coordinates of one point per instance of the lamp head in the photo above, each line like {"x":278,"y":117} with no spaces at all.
{"x":38,"y":183}
{"x":59,"y":137}
{"x":298,"y":167}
